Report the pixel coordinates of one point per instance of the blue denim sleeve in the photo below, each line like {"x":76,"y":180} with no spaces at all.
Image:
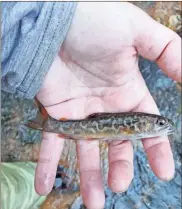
{"x":31,"y":36}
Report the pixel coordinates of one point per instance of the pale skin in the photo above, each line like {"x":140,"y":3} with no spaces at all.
{"x":97,"y":71}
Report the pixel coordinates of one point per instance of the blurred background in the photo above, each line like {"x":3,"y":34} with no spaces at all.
{"x":20,"y":146}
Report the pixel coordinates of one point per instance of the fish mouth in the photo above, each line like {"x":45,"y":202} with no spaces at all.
{"x":167,"y":130}
{"x":171,"y":130}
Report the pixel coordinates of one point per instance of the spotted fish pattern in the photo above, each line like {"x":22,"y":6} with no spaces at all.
{"x":106,"y":126}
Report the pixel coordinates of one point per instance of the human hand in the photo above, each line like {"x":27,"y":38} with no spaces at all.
{"x":97,"y":71}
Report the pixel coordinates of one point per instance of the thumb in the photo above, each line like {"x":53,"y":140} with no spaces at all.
{"x":158,"y":43}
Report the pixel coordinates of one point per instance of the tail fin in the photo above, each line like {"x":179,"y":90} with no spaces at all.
{"x":38,"y":121}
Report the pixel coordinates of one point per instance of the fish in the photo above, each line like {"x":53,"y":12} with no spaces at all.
{"x":105,"y":126}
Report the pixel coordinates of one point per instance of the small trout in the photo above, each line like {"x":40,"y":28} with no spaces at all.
{"x":106,"y":126}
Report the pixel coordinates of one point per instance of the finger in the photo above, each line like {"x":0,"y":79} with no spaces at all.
{"x":158,"y":150}
{"x":120,"y":165}
{"x":50,"y":151}
{"x":88,"y":153}
{"x":158,"y":43}
{"x":91,"y":185}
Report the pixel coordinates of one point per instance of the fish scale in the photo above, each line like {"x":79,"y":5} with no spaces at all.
{"x":106,"y":126}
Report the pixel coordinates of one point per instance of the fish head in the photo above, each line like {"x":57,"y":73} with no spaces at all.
{"x":157,"y":125}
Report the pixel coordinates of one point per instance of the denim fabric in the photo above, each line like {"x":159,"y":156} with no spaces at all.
{"x":31,"y":36}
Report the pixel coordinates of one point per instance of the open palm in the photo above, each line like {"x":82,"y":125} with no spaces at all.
{"x":97,"y":71}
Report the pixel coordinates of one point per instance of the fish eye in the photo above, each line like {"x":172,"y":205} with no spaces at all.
{"x":161,"y":122}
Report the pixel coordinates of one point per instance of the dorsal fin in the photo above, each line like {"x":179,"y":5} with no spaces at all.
{"x":95,"y":115}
